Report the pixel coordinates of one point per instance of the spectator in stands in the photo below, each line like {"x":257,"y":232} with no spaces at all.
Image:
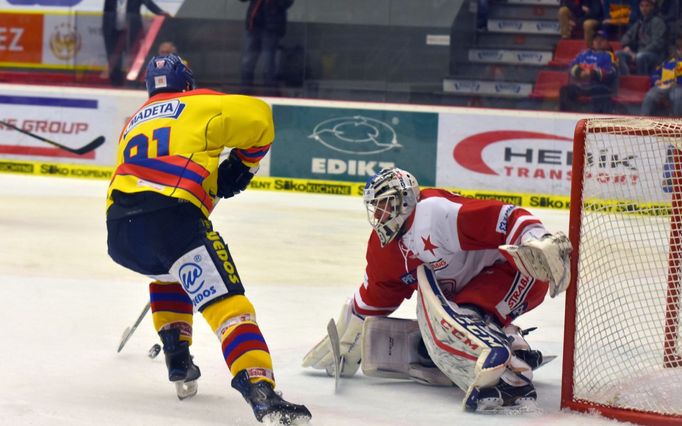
{"x":587,"y":13}
{"x":669,"y":10}
{"x":644,"y":43}
{"x":593,"y":75}
{"x":122,"y":30}
{"x":482,"y":10}
{"x":619,"y":15}
{"x":666,"y":85}
{"x":266,"y":22}
{"x":166,"y":48}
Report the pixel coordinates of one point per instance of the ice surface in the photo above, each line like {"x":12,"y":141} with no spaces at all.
{"x":65,"y":305}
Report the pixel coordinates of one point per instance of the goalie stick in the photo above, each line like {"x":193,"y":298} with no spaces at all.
{"x":336,"y":351}
{"x":130,"y":330}
{"x":91,"y":146}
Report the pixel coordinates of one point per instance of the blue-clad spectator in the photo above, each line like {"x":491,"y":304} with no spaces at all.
{"x":593,"y":75}
{"x":666,"y":85}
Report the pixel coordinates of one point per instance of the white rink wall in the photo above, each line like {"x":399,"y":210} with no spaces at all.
{"x":520,"y":155}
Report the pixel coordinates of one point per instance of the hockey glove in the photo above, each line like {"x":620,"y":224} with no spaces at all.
{"x":349,"y":327}
{"x":546,"y":259}
{"x":234,"y":176}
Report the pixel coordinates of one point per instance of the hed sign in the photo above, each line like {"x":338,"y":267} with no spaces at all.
{"x":493,"y":150}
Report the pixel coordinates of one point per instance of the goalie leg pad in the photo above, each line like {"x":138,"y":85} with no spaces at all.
{"x":389,"y":345}
{"x":393,"y":348}
{"x":463,"y":346}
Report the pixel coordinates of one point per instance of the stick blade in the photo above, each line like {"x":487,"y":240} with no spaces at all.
{"x":124,"y":338}
{"x":336,"y":351}
{"x":96,"y":143}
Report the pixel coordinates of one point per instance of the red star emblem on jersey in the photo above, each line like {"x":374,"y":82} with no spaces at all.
{"x":428,"y":245}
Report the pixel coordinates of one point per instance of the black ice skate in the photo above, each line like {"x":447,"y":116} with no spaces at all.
{"x":533,"y":358}
{"x":503,"y":397}
{"x":181,"y":368}
{"x":268,"y":404}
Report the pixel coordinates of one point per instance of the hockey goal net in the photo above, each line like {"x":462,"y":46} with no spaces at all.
{"x":623,"y":340}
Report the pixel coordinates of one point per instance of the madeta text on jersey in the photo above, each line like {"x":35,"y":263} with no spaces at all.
{"x":168,"y":109}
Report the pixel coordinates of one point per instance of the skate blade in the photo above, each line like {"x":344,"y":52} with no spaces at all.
{"x":186,"y":390}
{"x":546,"y":359}
{"x":278,"y":419}
{"x":522,"y":408}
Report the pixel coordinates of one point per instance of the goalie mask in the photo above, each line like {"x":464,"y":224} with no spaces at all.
{"x":167,"y":73}
{"x":390,"y":197}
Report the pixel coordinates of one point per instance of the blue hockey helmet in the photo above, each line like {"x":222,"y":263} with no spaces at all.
{"x":167,"y":73}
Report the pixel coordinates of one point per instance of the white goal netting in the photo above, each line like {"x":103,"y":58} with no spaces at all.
{"x":627,"y":350}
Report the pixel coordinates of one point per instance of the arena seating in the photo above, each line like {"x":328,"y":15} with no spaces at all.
{"x":565,"y":51}
{"x":631,"y":89}
{"x":547,"y":85}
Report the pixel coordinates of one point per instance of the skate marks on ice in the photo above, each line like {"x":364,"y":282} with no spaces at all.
{"x":70,"y":302}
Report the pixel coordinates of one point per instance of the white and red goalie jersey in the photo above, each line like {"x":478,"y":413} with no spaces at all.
{"x":459,"y":238}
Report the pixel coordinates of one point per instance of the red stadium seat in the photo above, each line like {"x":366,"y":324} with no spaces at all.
{"x":565,"y":51}
{"x":631,"y":89}
{"x":547,"y":85}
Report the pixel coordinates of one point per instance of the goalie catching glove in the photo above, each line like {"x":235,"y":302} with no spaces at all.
{"x":234,"y":176}
{"x":545,"y":259}
{"x":349,"y":327}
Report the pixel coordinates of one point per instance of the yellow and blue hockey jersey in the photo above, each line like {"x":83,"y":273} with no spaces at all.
{"x":668,"y":74}
{"x":172,"y":144}
{"x":602,"y":64}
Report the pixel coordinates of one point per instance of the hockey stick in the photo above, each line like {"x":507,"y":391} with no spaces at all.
{"x":336,"y":351}
{"x":91,"y":146}
{"x":130,"y":330}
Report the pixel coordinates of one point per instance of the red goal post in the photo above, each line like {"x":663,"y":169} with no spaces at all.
{"x":623,"y":340}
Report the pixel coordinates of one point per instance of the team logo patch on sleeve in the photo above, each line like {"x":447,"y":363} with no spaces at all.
{"x":503,"y":218}
{"x":409,"y":278}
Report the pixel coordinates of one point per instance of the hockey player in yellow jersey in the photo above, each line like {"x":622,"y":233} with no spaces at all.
{"x":167,"y":179}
